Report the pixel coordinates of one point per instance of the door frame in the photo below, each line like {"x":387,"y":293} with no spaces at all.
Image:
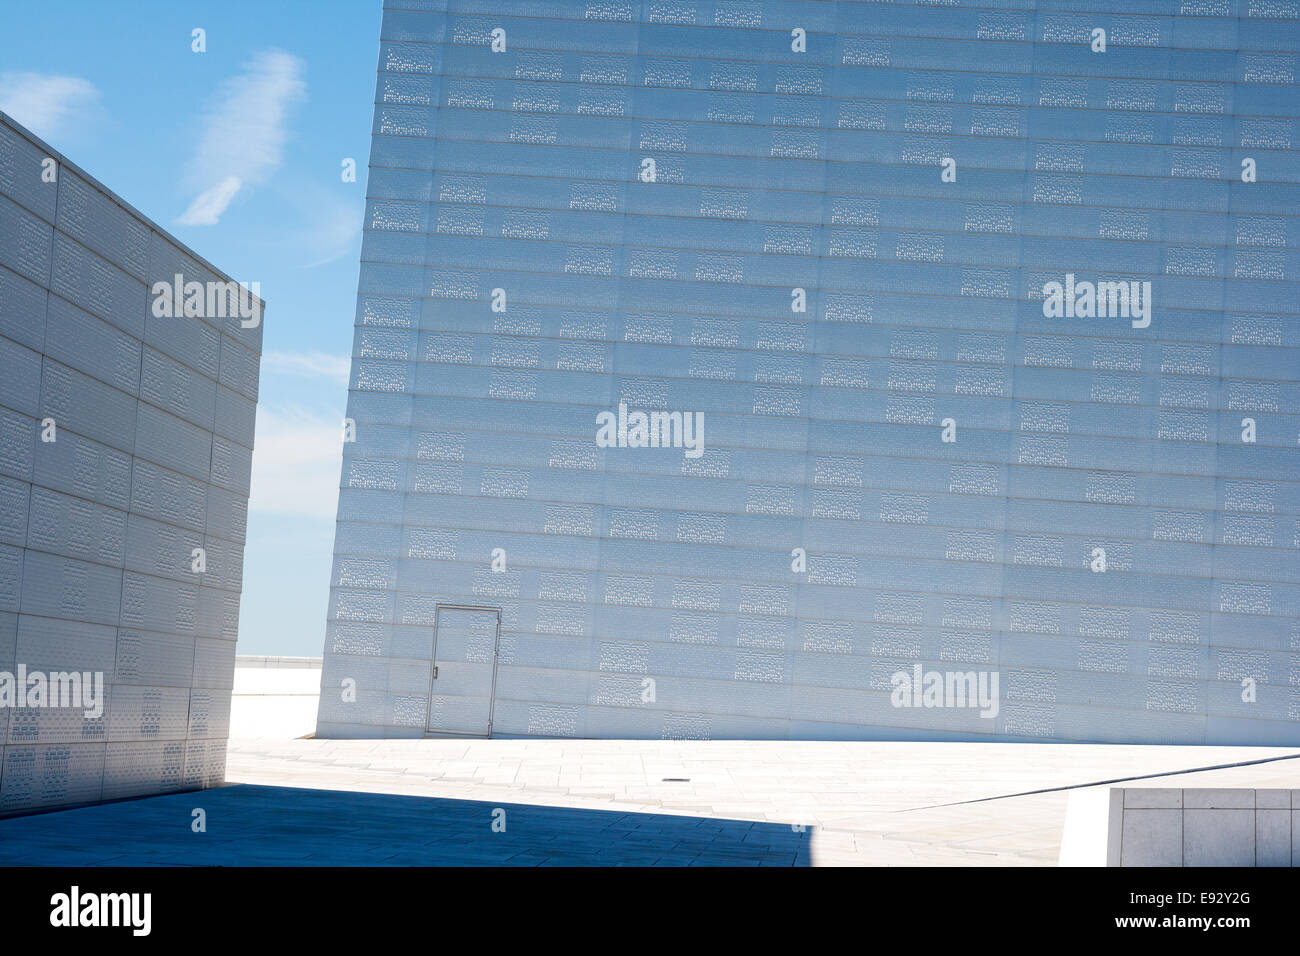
{"x":433,"y":663}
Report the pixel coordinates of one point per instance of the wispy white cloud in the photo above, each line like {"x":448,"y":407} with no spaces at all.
{"x":296,"y":462}
{"x":324,"y":223}
{"x":308,"y":365}
{"x":46,"y":102}
{"x":245,"y":127}
{"x":207,"y":207}
{"x":337,"y":232}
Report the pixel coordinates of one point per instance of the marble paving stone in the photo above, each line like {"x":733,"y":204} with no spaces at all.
{"x":1152,"y":838}
{"x":1273,"y":838}
{"x":1222,"y":837}
{"x":573,"y":802}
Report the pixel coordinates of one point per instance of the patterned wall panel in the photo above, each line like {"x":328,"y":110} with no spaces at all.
{"x":125,"y":439}
{"x":987,"y":318}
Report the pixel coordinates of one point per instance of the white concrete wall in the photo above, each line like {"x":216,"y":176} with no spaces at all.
{"x":275,"y":696}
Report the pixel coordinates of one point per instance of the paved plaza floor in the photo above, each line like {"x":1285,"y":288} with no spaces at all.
{"x":594,"y":802}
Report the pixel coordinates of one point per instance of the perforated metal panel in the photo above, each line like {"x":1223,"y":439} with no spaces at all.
{"x":831,"y":229}
{"x":100,"y":517}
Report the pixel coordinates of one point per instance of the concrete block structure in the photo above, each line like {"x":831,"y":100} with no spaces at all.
{"x":984,"y":321}
{"x":126,"y":442}
{"x":1164,"y":826}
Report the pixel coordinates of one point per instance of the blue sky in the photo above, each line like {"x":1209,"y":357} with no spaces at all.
{"x":236,"y":151}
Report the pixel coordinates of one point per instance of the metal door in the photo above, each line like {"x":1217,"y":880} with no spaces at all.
{"x":462,"y":684}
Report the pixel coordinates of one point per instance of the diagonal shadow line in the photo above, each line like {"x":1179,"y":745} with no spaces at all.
{"x":1102,"y":783}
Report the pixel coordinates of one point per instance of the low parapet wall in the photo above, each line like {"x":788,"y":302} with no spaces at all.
{"x":275,"y":696}
{"x":1140,"y":826}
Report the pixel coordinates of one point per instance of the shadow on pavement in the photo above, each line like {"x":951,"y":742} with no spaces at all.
{"x":284,"y":826}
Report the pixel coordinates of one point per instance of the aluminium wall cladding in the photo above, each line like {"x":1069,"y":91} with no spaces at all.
{"x":522,"y":169}
{"x":153,"y":444}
